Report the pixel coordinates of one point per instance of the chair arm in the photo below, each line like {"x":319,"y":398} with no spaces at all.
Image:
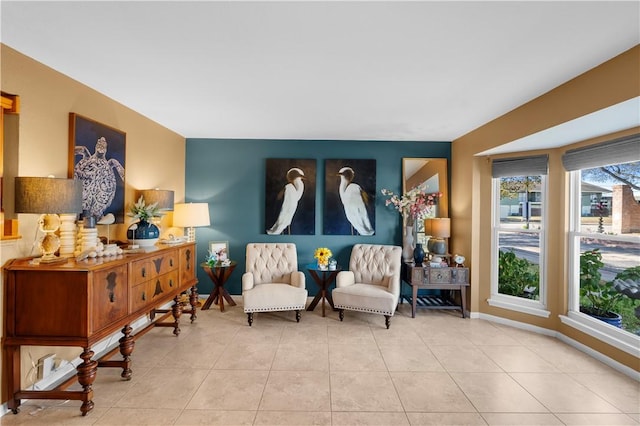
{"x":247,"y":281}
{"x":298,"y":279}
{"x":394,"y":284}
{"x":345,"y":278}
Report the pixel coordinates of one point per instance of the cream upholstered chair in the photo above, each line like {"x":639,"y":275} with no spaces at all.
{"x":372,"y":283}
{"x":272,"y":281}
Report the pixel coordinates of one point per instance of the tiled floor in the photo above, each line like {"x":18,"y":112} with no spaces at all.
{"x":435,"y":369}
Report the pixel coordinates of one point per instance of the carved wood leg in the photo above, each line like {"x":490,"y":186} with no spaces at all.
{"x":387,"y":321}
{"x":250,"y":318}
{"x":176,"y":311}
{"x":127,"y":343}
{"x":341,"y":314}
{"x":297,"y":315}
{"x":193,"y":301}
{"x":86,"y":375}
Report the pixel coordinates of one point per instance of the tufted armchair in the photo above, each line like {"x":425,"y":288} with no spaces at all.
{"x":272,"y":281}
{"x":372,"y":283}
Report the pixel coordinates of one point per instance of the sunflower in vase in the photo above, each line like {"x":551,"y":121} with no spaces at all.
{"x":322,"y":254}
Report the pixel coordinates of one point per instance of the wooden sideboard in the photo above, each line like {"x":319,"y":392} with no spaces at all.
{"x":79,"y":303}
{"x":445,"y":278}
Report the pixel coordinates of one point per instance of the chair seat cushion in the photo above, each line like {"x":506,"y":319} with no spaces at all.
{"x":274,"y":297}
{"x":365,"y":298}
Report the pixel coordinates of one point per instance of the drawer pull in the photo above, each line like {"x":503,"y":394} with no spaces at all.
{"x":144,"y":296}
{"x":171,"y":283}
{"x":144,"y":272}
{"x":171,"y":262}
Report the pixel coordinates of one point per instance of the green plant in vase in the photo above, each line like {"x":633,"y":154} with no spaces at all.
{"x":597,"y":297}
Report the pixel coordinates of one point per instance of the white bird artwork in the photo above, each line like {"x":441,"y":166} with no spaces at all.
{"x":290,"y":195}
{"x":354,"y":201}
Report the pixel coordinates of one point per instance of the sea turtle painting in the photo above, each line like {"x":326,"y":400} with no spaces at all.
{"x":98,"y":175}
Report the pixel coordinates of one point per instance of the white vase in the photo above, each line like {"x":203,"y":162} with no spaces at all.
{"x":408,"y":243}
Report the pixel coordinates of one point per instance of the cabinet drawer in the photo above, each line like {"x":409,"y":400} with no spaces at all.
{"x":147,"y":294}
{"x":109,"y":296}
{"x":146,"y":269}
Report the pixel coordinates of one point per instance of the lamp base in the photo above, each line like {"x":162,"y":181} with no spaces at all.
{"x":437,"y":246}
{"x":191,"y":234}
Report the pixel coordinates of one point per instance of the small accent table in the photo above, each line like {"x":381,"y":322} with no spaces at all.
{"x":451,"y":278}
{"x":324,"y":278}
{"x":219,"y":275}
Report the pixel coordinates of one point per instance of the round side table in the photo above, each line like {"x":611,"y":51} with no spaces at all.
{"x":219,"y":275}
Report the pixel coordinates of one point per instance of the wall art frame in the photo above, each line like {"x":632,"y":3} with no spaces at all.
{"x":290,"y":196}
{"x":350,"y":197}
{"x":97,"y":155}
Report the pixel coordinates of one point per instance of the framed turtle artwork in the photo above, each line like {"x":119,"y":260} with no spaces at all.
{"x":97,"y":158}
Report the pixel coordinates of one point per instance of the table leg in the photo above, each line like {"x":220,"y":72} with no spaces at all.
{"x":315,"y":301}
{"x":413,"y":300}
{"x":211,"y":299}
{"x":463,"y":299}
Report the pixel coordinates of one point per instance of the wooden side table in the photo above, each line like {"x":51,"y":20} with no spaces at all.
{"x":324,"y":278}
{"x":451,"y":278}
{"x":219,"y":275}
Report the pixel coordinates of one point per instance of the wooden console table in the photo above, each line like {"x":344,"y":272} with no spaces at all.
{"x":449,"y":278}
{"x":79,"y":303}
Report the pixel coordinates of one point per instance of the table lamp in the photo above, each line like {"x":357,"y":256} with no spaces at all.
{"x":190,"y":215}
{"x":438,"y":228}
{"x":48,"y":196}
{"x":163,"y":198}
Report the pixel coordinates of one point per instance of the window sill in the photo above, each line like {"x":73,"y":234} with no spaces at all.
{"x":618,"y":338}
{"x":514,"y":304}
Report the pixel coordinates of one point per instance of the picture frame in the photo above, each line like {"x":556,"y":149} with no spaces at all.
{"x":359,"y":177}
{"x":221,"y":249}
{"x":97,"y":157}
{"x":290,"y":196}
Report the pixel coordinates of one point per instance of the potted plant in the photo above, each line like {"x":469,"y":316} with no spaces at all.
{"x":598,"y":298}
{"x":143,"y":231}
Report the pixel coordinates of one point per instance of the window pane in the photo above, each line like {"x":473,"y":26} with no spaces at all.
{"x":521,"y":202}
{"x":608,"y":272}
{"x":519,"y":264}
{"x":609,"y":199}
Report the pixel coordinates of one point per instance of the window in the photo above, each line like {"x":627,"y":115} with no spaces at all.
{"x":605,"y":238}
{"x":519,"y":198}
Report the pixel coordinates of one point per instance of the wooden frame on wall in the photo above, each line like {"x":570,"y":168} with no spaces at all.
{"x":290,"y":196}
{"x":350,"y":197}
{"x":97,"y":157}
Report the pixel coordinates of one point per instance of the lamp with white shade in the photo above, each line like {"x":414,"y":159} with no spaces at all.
{"x":50,"y":197}
{"x":191,"y":215}
{"x":438,"y":228}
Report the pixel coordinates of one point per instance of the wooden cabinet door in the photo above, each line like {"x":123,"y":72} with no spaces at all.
{"x":110,"y":296}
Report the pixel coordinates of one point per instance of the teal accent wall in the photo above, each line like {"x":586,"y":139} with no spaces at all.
{"x":229,"y":174}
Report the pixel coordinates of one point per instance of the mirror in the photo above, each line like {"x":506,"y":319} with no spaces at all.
{"x":432,"y":172}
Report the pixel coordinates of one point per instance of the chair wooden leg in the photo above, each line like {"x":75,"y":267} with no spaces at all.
{"x":250,"y":318}
{"x":387,"y":321}
{"x":341,"y":314}
{"x":297,"y":315}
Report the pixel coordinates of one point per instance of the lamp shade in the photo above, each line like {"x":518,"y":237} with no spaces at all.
{"x":438,"y":227}
{"x":186,"y":215}
{"x":47,"y":195}
{"x":163,"y":197}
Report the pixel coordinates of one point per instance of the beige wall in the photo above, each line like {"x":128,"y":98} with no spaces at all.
{"x":47,"y":97}
{"x":610,"y":83}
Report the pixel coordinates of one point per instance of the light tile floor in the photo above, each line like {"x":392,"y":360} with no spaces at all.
{"x":435,"y":369}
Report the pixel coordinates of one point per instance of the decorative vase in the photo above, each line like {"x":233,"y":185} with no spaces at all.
{"x":407,"y":245}
{"x":418,"y":254}
{"x":323,"y":266}
{"x":145,"y":234}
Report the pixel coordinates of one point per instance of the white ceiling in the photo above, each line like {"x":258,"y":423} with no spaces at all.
{"x":429,"y":71}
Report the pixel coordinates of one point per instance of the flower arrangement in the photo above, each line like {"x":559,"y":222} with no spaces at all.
{"x":143,"y":212}
{"x":212,"y":259}
{"x":322,"y":254}
{"x":415,"y":204}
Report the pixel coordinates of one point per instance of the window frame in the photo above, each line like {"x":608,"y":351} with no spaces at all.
{"x":514,"y":303}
